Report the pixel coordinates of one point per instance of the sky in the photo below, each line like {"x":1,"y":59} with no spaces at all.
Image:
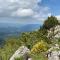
{"x":28,"y":11}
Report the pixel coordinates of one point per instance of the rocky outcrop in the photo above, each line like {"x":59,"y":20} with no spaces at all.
{"x":54,"y":53}
{"x":20,"y":52}
{"x":54,"y":32}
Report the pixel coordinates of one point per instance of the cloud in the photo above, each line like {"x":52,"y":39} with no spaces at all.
{"x":23,"y":12}
{"x":58,"y":17}
{"x":10,"y":6}
{"x":42,"y":14}
{"x":24,"y":8}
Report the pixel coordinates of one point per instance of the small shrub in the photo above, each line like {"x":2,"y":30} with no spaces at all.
{"x":39,"y":47}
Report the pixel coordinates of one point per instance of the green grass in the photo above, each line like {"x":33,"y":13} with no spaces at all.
{"x":21,"y":58}
{"x":39,"y":57}
{"x":35,"y":57}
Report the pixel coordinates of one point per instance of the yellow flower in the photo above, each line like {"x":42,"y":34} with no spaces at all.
{"x":39,"y":46}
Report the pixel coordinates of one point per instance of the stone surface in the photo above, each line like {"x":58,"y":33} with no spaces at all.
{"x":20,"y":52}
{"x":30,"y":59}
{"x":56,"y":32}
{"x":54,"y":53}
{"x":53,"y":56}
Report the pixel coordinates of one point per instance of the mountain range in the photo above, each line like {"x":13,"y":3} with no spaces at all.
{"x":10,"y":29}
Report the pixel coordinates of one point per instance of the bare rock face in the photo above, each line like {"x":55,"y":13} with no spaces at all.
{"x":54,"y":32}
{"x":20,"y":52}
{"x":54,"y":53}
{"x":30,"y":59}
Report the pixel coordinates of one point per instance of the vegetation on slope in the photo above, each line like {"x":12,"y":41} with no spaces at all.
{"x":50,"y":22}
{"x":30,"y":39}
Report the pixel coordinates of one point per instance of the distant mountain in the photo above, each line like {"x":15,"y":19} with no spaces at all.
{"x":15,"y":29}
{"x":29,"y":27}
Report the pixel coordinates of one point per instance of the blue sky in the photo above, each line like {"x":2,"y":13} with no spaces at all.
{"x":28,"y":11}
{"x":54,"y":6}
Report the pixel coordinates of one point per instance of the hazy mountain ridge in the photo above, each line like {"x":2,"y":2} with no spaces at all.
{"x":12,"y":29}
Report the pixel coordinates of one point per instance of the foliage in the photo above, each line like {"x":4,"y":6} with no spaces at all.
{"x":39,"y":57}
{"x":20,"y":58}
{"x":39,"y":47}
{"x":35,"y":57}
{"x":43,"y":31}
{"x":50,"y":22}
{"x":11,"y":45}
{"x":28,"y":39}
{"x":36,"y":41}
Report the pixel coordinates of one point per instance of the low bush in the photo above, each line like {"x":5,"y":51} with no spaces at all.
{"x":39,"y":47}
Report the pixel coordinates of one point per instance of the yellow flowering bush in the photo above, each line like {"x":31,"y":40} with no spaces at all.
{"x":39,"y":47}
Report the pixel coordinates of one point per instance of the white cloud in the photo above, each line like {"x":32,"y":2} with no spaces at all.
{"x":24,"y":8}
{"x":58,"y":17}
{"x":49,"y":14}
{"x":14,"y":5}
{"x":18,"y":3}
{"x":42,"y":14}
{"x":23,"y":12}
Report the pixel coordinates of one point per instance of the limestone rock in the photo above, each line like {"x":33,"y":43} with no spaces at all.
{"x":20,"y":52}
{"x":56,"y":33}
{"x":54,"y":53}
{"x":30,"y":59}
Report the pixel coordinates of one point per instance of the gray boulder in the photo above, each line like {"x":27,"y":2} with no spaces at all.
{"x":22,"y":51}
{"x":53,"y":53}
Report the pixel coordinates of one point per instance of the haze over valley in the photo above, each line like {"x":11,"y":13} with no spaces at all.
{"x":10,"y":29}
